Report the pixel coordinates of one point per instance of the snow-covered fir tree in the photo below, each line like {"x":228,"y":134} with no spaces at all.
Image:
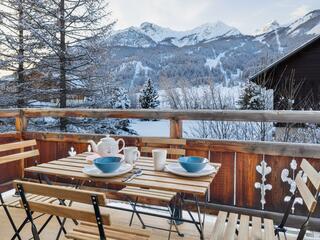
{"x":148,"y":98}
{"x":19,"y":51}
{"x":120,"y":98}
{"x":252,"y":97}
{"x":72,"y":32}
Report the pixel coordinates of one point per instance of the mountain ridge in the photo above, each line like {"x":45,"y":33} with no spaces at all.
{"x":160,"y":34}
{"x":228,"y":58}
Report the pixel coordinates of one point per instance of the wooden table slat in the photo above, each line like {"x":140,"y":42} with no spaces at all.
{"x":71,"y":167}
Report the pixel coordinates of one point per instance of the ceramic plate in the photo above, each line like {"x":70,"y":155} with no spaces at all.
{"x":93,"y":156}
{"x":95,"y":172}
{"x":176,"y":168}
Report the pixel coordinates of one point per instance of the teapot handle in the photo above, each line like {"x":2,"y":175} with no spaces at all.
{"x":123,"y":144}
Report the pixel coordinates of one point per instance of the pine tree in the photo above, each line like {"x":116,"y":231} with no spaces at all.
{"x":251,"y":97}
{"x":120,"y":99}
{"x":19,"y":50}
{"x":71,"y":32}
{"x":148,"y":98}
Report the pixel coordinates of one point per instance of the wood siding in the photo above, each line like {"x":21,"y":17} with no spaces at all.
{"x":305,"y":65}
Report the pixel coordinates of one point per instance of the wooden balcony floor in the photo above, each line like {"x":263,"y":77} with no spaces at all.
{"x":117,"y":217}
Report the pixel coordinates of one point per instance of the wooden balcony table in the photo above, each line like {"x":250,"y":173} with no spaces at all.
{"x":71,"y":167}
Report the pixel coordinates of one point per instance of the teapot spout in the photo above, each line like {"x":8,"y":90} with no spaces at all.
{"x":93,"y":145}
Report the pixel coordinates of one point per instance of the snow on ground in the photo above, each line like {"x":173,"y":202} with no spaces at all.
{"x":151,"y":128}
{"x":159,"y":128}
{"x":280,"y":48}
{"x":315,"y":30}
{"x":162,"y":128}
{"x":300,"y":21}
{"x":261,"y":39}
{"x":138,"y":70}
{"x":214,"y":62}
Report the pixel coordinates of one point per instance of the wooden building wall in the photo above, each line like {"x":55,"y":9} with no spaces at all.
{"x":304,"y":66}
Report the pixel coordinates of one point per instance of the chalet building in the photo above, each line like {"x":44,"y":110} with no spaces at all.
{"x":295,"y":78}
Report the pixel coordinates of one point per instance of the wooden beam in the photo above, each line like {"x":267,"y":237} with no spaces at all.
{"x":267,"y":148}
{"x":13,"y":134}
{"x":21,"y":122}
{"x":9,"y":113}
{"x":175,"y":129}
{"x":21,"y":126}
{"x":210,"y":115}
{"x":256,"y":147}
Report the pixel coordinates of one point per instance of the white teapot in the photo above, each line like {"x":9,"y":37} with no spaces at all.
{"x":107,"y":146}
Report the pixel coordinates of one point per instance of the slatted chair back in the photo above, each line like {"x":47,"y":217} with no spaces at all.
{"x":174,"y":147}
{"x":60,"y":209}
{"x":308,"y":194}
{"x":18,"y":152}
{"x":18,"y":146}
{"x":309,"y":197}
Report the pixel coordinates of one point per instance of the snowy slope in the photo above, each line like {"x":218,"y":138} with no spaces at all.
{"x":131,"y":37}
{"x":268,"y":28}
{"x":212,"y":51}
{"x":149,"y":31}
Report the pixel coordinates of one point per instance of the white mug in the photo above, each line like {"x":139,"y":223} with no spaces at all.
{"x":159,"y":159}
{"x":131,"y":154}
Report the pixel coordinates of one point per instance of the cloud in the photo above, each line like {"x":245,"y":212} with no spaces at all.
{"x":246,"y":15}
{"x":300,"y":11}
{"x":178,"y":14}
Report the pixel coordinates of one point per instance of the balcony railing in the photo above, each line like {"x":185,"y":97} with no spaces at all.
{"x":254,"y":174}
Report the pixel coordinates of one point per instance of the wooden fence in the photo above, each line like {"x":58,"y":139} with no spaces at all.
{"x":239,"y":181}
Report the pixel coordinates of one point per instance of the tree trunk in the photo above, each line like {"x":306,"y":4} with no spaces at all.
{"x":62,"y":60}
{"x":20,"y":71}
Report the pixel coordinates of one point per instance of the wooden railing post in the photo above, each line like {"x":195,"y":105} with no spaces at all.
{"x":175,"y":128}
{"x":21,"y":126}
{"x":21,"y":123}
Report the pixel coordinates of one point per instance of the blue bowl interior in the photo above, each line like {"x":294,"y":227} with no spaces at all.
{"x":108,"y":164}
{"x":193,"y":164}
{"x":191,"y":160}
{"x":107,"y":160}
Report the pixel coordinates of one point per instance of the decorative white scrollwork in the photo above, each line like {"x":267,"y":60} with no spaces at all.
{"x":72,"y":152}
{"x":89,"y":148}
{"x":285,"y":177}
{"x":264,"y":170}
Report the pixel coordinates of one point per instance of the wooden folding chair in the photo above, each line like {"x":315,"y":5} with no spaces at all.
{"x":15,"y":152}
{"x":308,"y":194}
{"x":96,"y":221}
{"x":175,"y":148}
{"x":264,"y":228}
{"x":19,"y":152}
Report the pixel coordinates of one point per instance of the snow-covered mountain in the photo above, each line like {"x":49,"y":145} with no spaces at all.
{"x":216,"y":52}
{"x":268,"y":28}
{"x":158,"y":34}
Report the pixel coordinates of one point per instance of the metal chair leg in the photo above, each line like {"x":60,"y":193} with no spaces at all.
{"x":45,"y":224}
{"x":6,"y":210}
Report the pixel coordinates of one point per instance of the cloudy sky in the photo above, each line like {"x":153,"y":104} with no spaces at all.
{"x":246,"y":15}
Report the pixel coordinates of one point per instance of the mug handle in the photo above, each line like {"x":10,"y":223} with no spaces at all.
{"x":123,"y":144}
{"x":138,"y":154}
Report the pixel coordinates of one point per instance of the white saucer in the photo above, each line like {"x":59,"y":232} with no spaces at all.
{"x":95,"y":172}
{"x":176,"y":168}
